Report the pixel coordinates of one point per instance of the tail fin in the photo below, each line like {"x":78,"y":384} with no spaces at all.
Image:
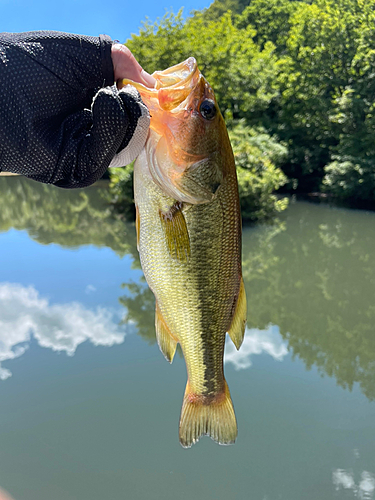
{"x":215,"y":419}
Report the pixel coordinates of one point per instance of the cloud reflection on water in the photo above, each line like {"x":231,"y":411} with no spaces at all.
{"x":60,"y":327}
{"x":344,"y":479}
{"x":63,"y":327}
{"x":256,"y":342}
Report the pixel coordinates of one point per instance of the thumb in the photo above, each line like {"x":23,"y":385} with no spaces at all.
{"x":125,"y":65}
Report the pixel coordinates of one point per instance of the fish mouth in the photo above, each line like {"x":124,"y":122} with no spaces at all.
{"x":179,"y":75}
{"x":171,"y":92}
{"x":172,"y":86}
{"x":176,"y":83}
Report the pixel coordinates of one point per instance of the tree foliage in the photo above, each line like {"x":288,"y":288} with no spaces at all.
{"x":256,"y":155}
{"x":302,"y":71}
{"x":241,"y":89}
{"x":240,"y":72}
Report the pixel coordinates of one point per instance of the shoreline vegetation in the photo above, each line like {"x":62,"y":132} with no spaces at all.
{"x":295,"y":82}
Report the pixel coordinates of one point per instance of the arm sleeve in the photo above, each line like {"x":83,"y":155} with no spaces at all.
{"x":52,"y":129}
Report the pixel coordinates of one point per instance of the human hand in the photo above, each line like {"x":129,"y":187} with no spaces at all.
{"x":77,"y":144}
{"x":125,"y":65}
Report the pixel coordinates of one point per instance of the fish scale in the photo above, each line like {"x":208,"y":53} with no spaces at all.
{"x":189,"y":240}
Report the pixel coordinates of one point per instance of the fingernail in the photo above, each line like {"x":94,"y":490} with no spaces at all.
{"x":148,"y":79}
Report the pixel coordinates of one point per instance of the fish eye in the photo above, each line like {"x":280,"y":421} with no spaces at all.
{"x":207,"y":109}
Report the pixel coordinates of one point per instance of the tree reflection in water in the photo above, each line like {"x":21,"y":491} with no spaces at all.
{"x":140,"y":309}
{"x":315,"y":279}
{"x":70,"y":218}
{"x":312,"y":274}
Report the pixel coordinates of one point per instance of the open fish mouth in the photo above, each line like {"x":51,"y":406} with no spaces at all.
{"x":177,"y":76}
{"x":172,"y":86}
{"x":176,"y":83}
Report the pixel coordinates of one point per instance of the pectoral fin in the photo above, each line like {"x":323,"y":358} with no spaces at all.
{"x":176,"y":232}
{"x":237,"y":328}
{"x":166,"y":341}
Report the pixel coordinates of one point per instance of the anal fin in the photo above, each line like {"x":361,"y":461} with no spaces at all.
{"x":166,"y":341}
{"x":176,"y":232}
{"x":237,"y":328}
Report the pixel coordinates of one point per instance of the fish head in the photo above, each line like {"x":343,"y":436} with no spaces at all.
{"x":188,"y":143}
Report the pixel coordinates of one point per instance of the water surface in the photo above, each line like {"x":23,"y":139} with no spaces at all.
{"x":89,"y":408}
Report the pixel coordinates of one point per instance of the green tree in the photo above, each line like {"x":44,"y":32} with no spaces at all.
{"x":271,"y":20}
{"x":326,"y":87}
{"x":256,"y":155}
{"x":220,"y":7}
{"x":242,"y":76}
{"x":300,"y":70}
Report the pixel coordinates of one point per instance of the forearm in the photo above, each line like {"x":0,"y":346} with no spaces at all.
{"x":77,"y":60}
{"x":47,"y":80}
{"x":62,"y":120}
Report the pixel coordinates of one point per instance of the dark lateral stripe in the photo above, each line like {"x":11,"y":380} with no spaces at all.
{"x":209,"y":367}
{"x":213,"y":352}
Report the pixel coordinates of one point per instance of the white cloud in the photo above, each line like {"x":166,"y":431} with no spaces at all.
{"x":60,"y":327}
{"x":90,"y":289}
{"x":4,"y":373}
{"x":256,"y":342}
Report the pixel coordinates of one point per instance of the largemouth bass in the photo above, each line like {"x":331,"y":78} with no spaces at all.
{"x":189,"y":240}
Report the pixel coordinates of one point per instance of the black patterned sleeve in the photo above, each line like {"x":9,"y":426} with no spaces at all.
{"x":52,"y":129}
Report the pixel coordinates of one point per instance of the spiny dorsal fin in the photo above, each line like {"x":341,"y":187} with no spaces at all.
{"x":176,"y":232}
{"x":237,"y":328}
{"x":166,"y":341}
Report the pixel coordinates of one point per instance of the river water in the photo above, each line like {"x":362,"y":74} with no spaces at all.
{"x":89,"y":407}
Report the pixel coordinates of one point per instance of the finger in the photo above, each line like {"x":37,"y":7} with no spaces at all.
{"x":148,"y":79}
{"x":125,"y":65}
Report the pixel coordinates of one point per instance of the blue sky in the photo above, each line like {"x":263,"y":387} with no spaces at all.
{"x":118,"y":19}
